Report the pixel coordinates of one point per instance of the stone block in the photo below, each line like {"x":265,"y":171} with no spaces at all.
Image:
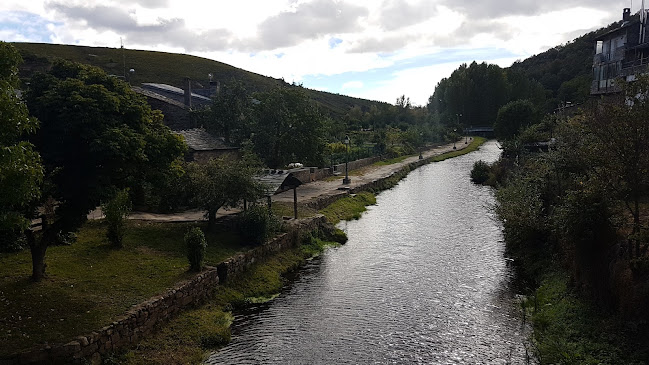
{"x":83,"y":341}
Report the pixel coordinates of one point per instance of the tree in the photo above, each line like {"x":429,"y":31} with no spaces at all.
{"x":512,"y":117}
{"x":229,"y":114}
{"x":222,"y":183}
{"x":21,"y":171}
{"x":620,"y":125}
{"x":289,"y":128}
{"x":96,"y":136}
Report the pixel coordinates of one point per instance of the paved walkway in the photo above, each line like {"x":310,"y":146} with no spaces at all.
{"x":358,"y":177}
{"x":305,"y":192}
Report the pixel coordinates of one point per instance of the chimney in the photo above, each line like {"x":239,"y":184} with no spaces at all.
{"x":188,"y":92}
{"x":214,"y":88}
{"x":626,"y":14}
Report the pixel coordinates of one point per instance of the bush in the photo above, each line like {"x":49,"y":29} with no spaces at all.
{"x":257,"y":225}
{"x":196,"y":244}
{"x":116,"y":211}
{"x":480,"y":172}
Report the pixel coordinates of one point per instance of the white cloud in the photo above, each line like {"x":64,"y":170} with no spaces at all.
{"x":376,"y":35}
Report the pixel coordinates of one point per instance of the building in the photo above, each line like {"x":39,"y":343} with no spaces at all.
{"x":621,"y":53}
{"x":203,"y":146}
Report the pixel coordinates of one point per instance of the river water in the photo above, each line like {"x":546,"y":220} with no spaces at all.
{"x":422,"y":280}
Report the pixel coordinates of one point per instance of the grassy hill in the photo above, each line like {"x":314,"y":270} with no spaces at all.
{"x":170,"y":68}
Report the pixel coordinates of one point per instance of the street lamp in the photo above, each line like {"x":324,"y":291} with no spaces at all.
{"x":454,"y":130}
{"x":346,"y":180}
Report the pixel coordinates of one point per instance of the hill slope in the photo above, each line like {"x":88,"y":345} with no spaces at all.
{"x":170,"y":68}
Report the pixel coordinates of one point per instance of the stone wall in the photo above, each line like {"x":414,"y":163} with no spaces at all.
{"x":141,"y":319}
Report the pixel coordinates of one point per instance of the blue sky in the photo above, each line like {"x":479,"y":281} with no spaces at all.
{"x":375,"y":49}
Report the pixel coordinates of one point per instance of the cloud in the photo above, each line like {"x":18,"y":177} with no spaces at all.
{"x":20,"y":26}
{"x":387,"y":44}
{"x":309,"y":20}
{"x":170,"y":32}
{"x":396,"y":14}
{"x":500,"y":8}
{"x":149,"y":4}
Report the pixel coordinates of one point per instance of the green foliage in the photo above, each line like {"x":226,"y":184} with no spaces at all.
{"x":21,"y":172}
{"x":196,"y":245}
{"x":480,"y":172}
{"x":289,"y":128}
{"x":568,"y":330}
{"x":514,"y":116}
{"x":256,"y":225}
{"x":96,"y":134}
{"x":222,"y":183}
{"x":116,"y":211}
{"x":230,"y":113}
{"x":471,"y":95}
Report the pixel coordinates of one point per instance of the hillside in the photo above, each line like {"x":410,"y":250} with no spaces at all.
{"x":565,"y":70}
{"x":170,"y":68}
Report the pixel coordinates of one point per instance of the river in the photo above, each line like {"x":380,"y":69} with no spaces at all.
{"x":422,"y":279}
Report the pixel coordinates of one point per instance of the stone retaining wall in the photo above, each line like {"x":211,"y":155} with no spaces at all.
{"x":141,"y":319}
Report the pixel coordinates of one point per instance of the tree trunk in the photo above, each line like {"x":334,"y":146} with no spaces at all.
{"x":211,"y":219}
{"x":37,"y":249}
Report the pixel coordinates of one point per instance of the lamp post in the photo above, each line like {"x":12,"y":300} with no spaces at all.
{"x":454,"y":130}
{"x":346,"y":180}
{"x":421,"y":138}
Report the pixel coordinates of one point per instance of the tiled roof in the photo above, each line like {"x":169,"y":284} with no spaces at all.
{"x":198,"y":139}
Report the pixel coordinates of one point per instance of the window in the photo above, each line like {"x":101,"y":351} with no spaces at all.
{"x":599,"y":47}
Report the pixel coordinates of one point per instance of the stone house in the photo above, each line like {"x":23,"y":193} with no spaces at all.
{"x":203,"y":146}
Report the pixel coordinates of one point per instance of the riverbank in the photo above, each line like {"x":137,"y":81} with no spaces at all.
{"x":161,"y":244}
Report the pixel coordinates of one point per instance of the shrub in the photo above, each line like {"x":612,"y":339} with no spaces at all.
{"x":116,"y":211}
{"x":196,"y":244}
{"x":480,"y":172}
{"x":257,"y":225}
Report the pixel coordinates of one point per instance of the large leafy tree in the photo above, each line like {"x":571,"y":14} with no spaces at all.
{"x":289,"y":128}
{"x":512,"y":117}
{"x":20,"y":169}
{"x":96,"y":136}
{"x":229,"y":114}
{"x":222,"y":183}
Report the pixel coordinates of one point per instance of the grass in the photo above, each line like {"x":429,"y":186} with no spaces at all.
{"x":391,"y":161}
{"x":186,"y":338}
{"x":285,"y":209}
{"x":349,"y":207}
{"x":475,"y":143}
{"x":89,"y":283}
{"x":568,"y":330}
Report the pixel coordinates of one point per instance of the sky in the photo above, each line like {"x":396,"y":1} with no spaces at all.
{"x":371,"y":49}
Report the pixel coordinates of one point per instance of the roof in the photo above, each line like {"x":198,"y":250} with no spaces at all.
{"x":154,"y":95}
{"x":198,"y":139}
{"x":623,"y":26}
{"x":173,"y":89}
{"x":278,"y":180}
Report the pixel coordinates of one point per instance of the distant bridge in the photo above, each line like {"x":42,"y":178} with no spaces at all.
{"x":480,"y":131}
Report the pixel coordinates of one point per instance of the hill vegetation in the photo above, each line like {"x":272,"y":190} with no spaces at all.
{"x":171,"y":69}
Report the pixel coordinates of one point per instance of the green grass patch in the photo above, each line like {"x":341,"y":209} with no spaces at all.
{"x":349,"y":207}
{"x":475,"y":143}
{"x":285,"y":209}
{"x":89,"y":283}
{"x":187,"y":337}
{"x":568,"y":330}
{"x":391,"y":161}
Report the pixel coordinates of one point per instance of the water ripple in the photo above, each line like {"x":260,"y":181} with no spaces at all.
{"x":422,"y":280}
